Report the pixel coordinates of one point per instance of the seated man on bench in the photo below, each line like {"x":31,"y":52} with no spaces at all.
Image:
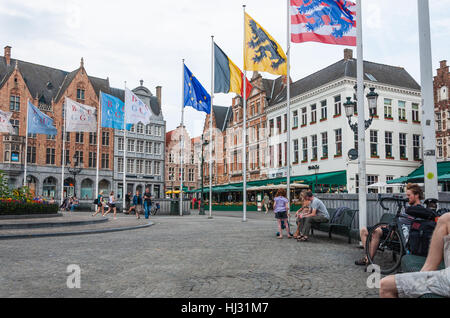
{"x":318,"y":213}
{"x":429,"y":280}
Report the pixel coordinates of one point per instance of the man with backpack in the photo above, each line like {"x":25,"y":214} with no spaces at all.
{"x":429,"y":280}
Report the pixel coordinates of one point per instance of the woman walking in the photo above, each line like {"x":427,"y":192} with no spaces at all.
{"x":112,"y":205}
{"x":100,"y":205}
{"x":137,"y":203}
{"x":281,"y":209}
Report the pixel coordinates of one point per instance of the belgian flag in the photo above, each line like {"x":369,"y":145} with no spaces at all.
{"x":227,"y":76}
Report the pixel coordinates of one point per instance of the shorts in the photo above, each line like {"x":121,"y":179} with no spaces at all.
{"x":281,"y":215}
{"x":384,"y":229}
{"x":413,"y":285}
{"x":112,"y":205}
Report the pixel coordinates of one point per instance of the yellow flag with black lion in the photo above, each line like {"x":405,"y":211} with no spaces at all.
{"x":261,"y":51}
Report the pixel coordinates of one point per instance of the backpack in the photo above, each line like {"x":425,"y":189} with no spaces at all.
{"x":96,"y":201}
{"x":420,"y":235}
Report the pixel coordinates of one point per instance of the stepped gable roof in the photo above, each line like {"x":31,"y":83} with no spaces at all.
{"x":374,"y":72}
{"x":222,"y":115}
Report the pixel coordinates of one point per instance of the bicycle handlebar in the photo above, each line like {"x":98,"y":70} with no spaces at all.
{"x":395,"y":199}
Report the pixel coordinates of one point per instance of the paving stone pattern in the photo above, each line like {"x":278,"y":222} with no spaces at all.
{"x":187,"y":256}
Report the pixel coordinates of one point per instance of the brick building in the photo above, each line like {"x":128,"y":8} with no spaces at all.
{"x":442,"y":111}
{"x":173,"y":162}
{"x":46,"y":88}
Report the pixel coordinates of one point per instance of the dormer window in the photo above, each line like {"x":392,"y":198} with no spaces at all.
{"x":80,"y":93}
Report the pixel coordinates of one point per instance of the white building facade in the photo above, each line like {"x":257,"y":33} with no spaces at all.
{"x":322,"y":137}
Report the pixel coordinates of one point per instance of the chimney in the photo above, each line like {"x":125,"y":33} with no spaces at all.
{"x":443,"y":64}
{"x":158,"y":94}
{"x":8,"y":55}
{"x":348,"y":54}
{"x":284,"y":79}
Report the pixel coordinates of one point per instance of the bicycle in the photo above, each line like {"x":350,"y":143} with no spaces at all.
{"x":391,"y":244}
{"x":154,"y":209}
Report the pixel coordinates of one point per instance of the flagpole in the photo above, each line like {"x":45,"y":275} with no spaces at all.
{"x":64,"y":149}
{"x":361,"y":121}
{"x":125,"y":147}
{"x":26,"y":149}
{"x":244,"y":137}
{"x":181,"y":142}
{"x":211,"y":128}
{"x":288,"y":98}
{"x":426,"y":71}
{"x":99,"y":123}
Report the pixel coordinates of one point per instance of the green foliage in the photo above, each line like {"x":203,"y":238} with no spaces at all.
{"x":11,"y":207}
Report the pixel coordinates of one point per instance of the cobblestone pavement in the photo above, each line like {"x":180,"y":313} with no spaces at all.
{"x":185,"y":257}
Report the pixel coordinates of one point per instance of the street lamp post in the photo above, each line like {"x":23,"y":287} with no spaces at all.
{"x":202,"y":204}
{"x":315,"y":168}
{"x":172,"y":177}
{"x":75,"y":170}
{"x":350,"y":106}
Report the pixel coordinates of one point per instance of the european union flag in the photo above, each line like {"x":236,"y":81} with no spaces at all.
{"x":113,"y":111}
{"x":195,"y":94}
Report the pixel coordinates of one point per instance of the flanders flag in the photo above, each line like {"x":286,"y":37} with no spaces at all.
{"x":261,"y":51}
{"x":227,"y":76}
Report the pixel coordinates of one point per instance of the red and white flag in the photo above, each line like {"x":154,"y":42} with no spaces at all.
{"x":5,"y":125}
{"x":325,"y":21}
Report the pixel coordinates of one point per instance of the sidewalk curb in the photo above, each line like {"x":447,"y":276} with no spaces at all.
{"x":13,"y":226}
{"x":25,"y":236}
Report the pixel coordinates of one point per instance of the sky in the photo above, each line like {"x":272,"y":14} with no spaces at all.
{"x":133,"y":40}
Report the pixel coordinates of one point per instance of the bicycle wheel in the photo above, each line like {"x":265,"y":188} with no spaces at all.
{"x":384,"y":248}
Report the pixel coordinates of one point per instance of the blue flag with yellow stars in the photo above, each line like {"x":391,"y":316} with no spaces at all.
{"x":195,"y":95}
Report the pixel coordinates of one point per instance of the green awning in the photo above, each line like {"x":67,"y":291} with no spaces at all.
{"x":442,"y":168}
{"x":444,"y":177}
{"x":398,"y":180}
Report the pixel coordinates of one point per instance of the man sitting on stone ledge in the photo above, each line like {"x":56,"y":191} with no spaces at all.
{"x":318,"y":213}
{"x":429,"y":280}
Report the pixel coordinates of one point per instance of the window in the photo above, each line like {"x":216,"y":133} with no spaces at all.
{"x":93,"y":139}
{"x":78,"y":158}
{"x":314,"y":147}
{"x":140,"y":128}
{"x":415,"y":113}
{"x":305,"y":149}
{"x":130,"y":165}
{"x":139,"y":166}
{"x":67,"y":136}
{"x":157,"y":148}
{"x":105,"y":161}
{"x":304,"y":117}
{"x":295,"y":151}
{"x":33,"y":136}
{"x":130,"y":145}
{"x":148,"y":129}
{"x":120,"y":165}
{"x":50,"y":137}
{"x":120,"y":144}
{"x":439,"y":121}
{"x":279,"y":125}
{"x":148,"y":167}
{"x":280,"y":155}
{"x":191,"y":175}
{"x":387,"y":108}
{"x":337,"y":106}
{"x":14,"y":103}
{"x":389,"y":189}
{"x":79,"y":137}
{"x":285,"y":123}
{"x":93,"y":160}
{"x":402,"y":110}
{"x":285,"y":153}
{"x":80,"y":93}
{"x":324,"y":145}
{"x":402,"y":145}
{"x":105,"y":138}
{"x":271,"y":157}
{"x":31,"y":154}
{"x":323,"y":110}
{"x":374,"y":143}
{"x":67,"y":157}
{"x":50,"y":156}
{"x":313,"y":114}
{"x":148,"y":147}
{"x":416,"y":147}
{"x":157,"y":170}
{"x":15,"y":125}
{"x":338,"y":139}
{"x":371,"y":180}
{"x":388,"y":144}
{"x":295,"y":118}
{"x":271,"y":128}
{"x":140,"y":146}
